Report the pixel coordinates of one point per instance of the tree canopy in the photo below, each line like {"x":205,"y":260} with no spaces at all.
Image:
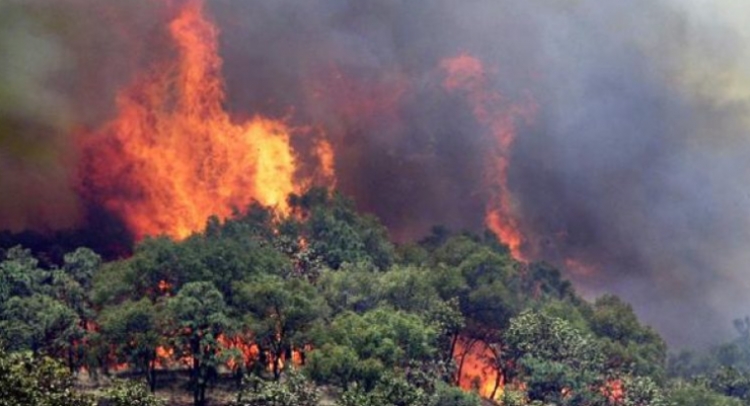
{"x":321,"y":303}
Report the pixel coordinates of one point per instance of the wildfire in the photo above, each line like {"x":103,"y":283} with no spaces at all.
{"x":467,"y":75}
{"x":475,"y":369}
{"x":173,"y":156}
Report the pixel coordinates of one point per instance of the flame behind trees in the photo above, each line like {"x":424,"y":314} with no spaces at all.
{"x":238,"y":297}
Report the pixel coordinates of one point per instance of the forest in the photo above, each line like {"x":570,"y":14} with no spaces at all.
{"x":320,"y":308}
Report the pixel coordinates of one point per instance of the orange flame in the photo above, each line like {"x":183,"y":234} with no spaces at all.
{"x":467,"y":75}
{"x":476,"y":370}
{"x":173,"y":156}
{"x":250,"y":353}
{"x":164,"y":287}
{"x":614,"y":390}
{"x":324,"y":151}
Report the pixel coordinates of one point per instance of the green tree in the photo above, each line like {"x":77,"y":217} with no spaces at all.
{"x":629,"y":346}
{"x":699,"y":395}
{"x":130,"y":393}
{"x":732,"y":382}
{"x":358,"y":348}
{"x":352,"y":288}
{"x":19,"y":274}
{"x":27,"y":380}
{"x":136,"y":329}
{"x":407,"y":288}
{"x":280,"y":312}
{"x":447,"y":395}
{"x":558,"y":363}
{"x":81,"y":265}
{"x":39,"y":323}
{"x":68,"y":291}
{"x":338,"y":234}
{"x":642,"y":391}
{"x":46,"y":310}
{"x":200,"y":316}
{"x":293,"y":391}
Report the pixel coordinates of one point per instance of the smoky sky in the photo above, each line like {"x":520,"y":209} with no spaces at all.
{"x":634,"y":164}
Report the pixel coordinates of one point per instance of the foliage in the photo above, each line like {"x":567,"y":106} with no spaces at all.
{"x":39,"y":323}
{"x":279,"y":313}
{"x":295,"y":390}
{"x":136,"y":329}
{"x":558,"y":363}
{"x":26,"y":380}
{"x":360,"y":348}
{"x":324,"y":289}
{"x":129,"y":393}
{"x":446,"y":395}
{"x":642,"y":391}
{"x":699,"y":395}
{"x":393,"y":390}
{"x":338,"y":234}
{"x":629,"y":346}
{"x":200,"y":316}
{"x":513,"y":397}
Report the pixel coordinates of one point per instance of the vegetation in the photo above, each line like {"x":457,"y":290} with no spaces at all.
{"x":320,"y":308}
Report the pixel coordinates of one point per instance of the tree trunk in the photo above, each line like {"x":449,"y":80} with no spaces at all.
{"x":463,"y":358}
{"x":71,"y":363}
{"x":202,"y":394}
{"x":497,"y":384}
{"x":151,"y":374}
{"x":276,"y":372}
{"x":195,"y":373}
{"x":454,"y":340}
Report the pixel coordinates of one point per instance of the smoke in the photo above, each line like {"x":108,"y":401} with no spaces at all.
{"x":630,"y":176}
{"x":636,"y":168}
{"x":33,"y":152}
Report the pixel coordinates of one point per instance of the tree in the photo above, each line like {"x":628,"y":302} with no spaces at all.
{"x":19,"y":274}
{"x":642,"y":391}
{"x":490,"y":301}
{"x":558,"y":363}
{"x":698,"y":395}
{"x":294,"y":391}
{"x":338,"y":234}
{"x":68,"y":291}
{"x":446,"y":395}
{"x":360,"y":348}
{"x":395,"y":390}
{"x":81,"y":265}
{"x":26,"y":379}
{"x":352,"y":288}
{"x":732,"y":382}
{"x":450,"y":251}
{"x":130,"y":393}
{"x":629,"y":346}
{"x":280,"y":313}
{"x":200,"y":316}
{"x":47,"y":309}
{"x":408,"y":289}
{"x":136,"y":329}
{"x":39,"y":323}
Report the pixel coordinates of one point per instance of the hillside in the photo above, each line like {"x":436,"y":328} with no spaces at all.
{"x":319,"y":307}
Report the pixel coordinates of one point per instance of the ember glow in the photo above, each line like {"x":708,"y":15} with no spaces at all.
{"x":173,"y":156}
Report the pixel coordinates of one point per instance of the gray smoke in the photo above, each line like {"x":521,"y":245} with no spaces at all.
{"x":634,"y":164}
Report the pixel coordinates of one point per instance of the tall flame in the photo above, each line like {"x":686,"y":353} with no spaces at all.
{"x":173,"y":156}
{"x":467,"y":75}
